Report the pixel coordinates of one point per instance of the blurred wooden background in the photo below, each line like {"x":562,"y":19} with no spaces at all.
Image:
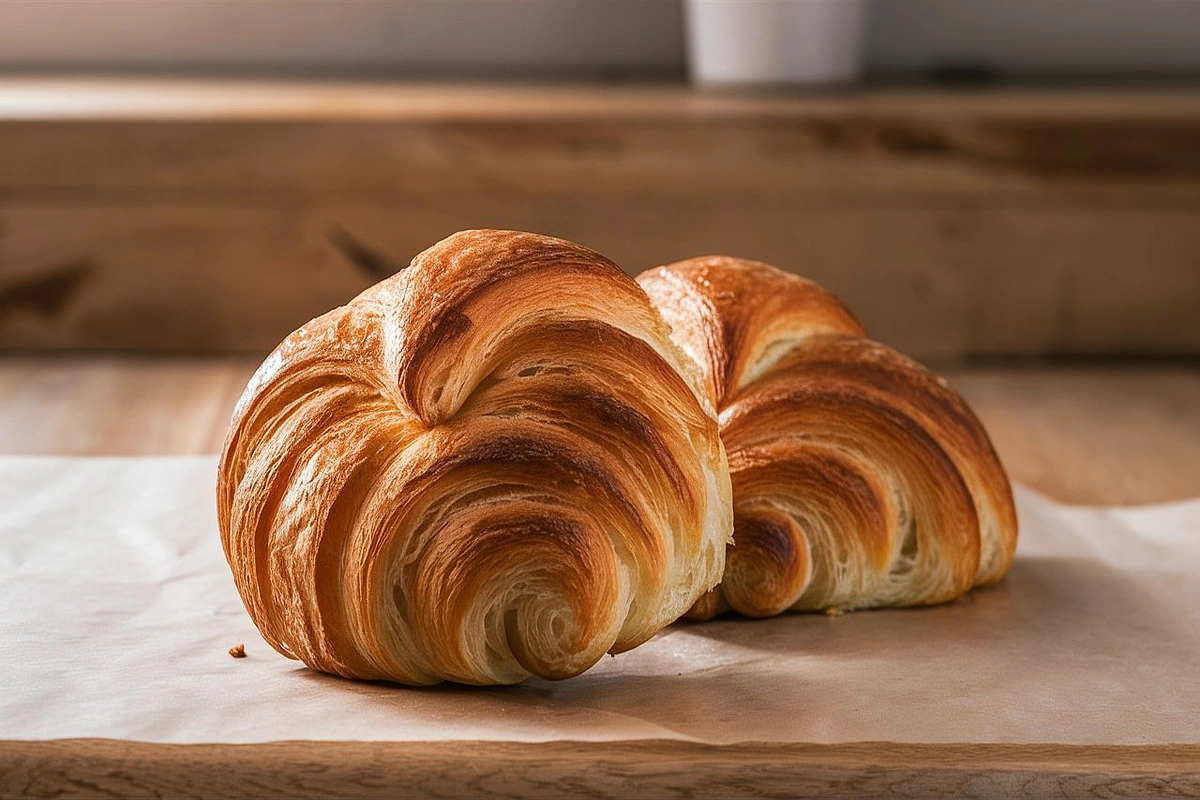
{"x":157,"y":237}
{"x":193,"y":216}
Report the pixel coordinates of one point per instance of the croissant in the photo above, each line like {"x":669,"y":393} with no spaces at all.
{"x":860,"y":478}
{"x":493,"y":464}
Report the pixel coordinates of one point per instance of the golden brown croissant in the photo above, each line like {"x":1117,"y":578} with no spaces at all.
{"x":492,"y":464}
{"x":859,"y":477}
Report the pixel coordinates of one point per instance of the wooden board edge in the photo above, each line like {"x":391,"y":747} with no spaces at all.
{"x":653,"y":768}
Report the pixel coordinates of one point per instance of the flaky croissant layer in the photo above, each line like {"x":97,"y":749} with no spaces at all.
{"x":494,"y":464}
{"x":859,"y":477}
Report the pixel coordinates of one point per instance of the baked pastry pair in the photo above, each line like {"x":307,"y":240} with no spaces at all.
{"x":510,"y":458}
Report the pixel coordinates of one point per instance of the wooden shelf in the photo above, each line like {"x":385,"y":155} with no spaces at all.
{"x":184,"y":215}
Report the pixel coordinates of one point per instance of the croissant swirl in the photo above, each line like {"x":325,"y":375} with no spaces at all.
{"x":494,"y":463}
{"x":859,"y":477}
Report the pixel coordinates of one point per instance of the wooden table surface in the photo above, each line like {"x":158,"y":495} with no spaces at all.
{"x":1081,"y":434}
{"x":1084,"y":434}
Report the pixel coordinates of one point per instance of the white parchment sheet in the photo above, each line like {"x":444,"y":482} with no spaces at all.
{"x":117,"y":611}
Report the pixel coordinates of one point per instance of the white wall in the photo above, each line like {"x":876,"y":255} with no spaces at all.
{"x":408,"y":35}
{"x":568,"y":36}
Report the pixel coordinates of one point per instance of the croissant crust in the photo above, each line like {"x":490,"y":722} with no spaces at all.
{"x":493,"y":464}
{"x":860,"y":478}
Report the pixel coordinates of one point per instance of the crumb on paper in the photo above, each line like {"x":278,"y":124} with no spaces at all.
{"x":238,"y":651}
{"x":833,"y":611}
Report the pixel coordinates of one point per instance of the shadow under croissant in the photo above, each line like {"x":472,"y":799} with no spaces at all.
{"x":805,"y":677}
{"x":1044,"y":603}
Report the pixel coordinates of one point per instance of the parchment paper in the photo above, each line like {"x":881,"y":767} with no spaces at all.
{"x":117,"y":611}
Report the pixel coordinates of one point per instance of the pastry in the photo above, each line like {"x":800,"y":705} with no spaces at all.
{"x":493,"y":464}
{"x":860,"y":478}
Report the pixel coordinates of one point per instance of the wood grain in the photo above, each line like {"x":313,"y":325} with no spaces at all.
{"x":158,"y":216}
{"x":1100,"y":435}
{"x":667,"y":769}
{"x":118,"y":406}
{"x":936,"y":282}
{"x":1093,"y":435}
